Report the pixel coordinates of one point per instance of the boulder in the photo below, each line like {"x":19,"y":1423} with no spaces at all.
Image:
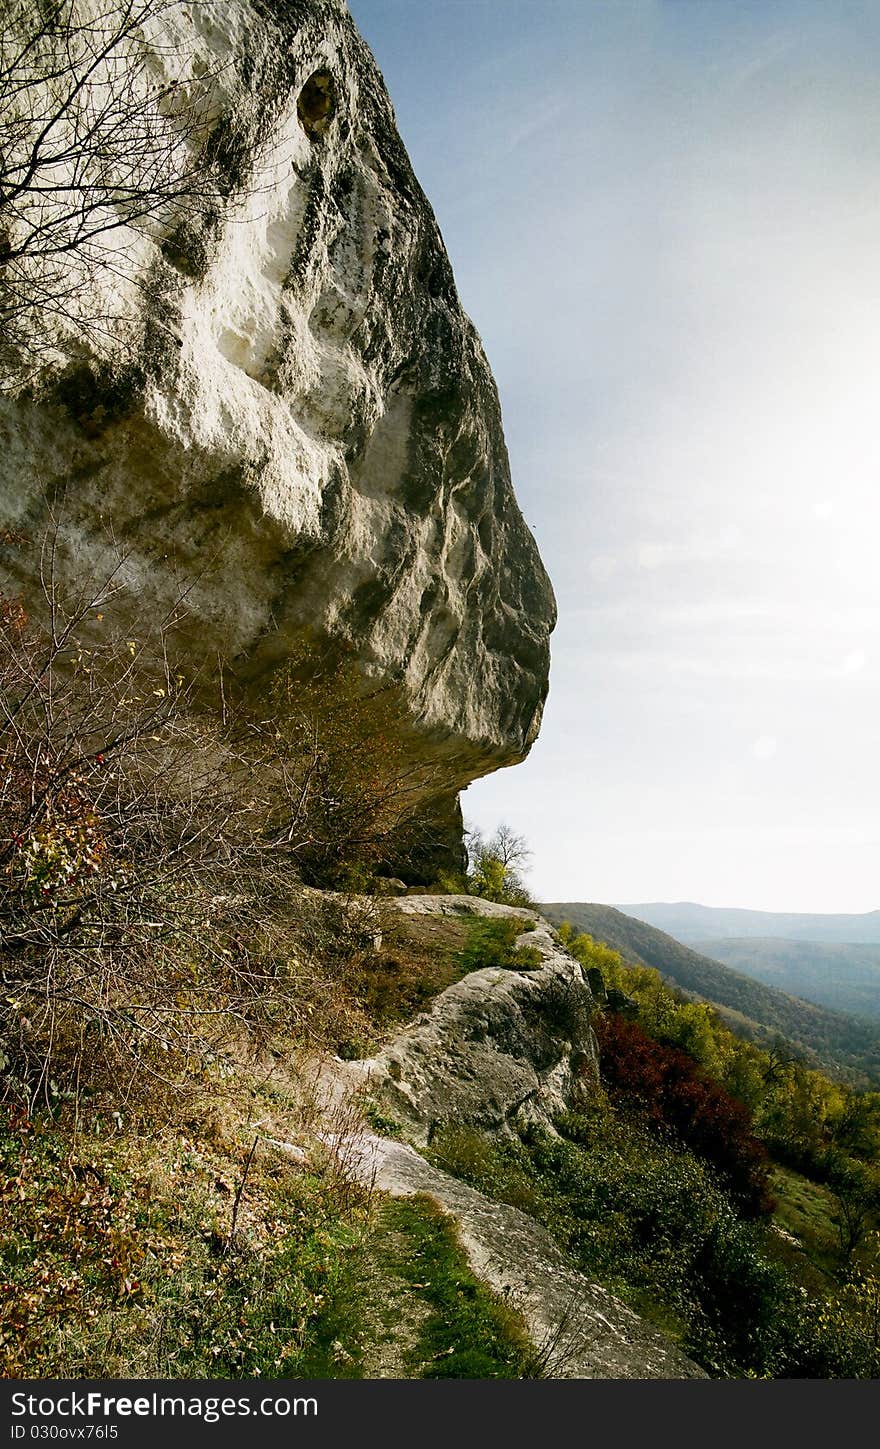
{"x":284,"y":415}
{"x":497,"y":1049}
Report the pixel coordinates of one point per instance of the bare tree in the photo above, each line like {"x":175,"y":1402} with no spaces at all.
{"x":121,"y":819}
{"x":497,"y":865}
{"x":97,"y":146}
{"x":153,"y":850}
{"x":508,"y":847}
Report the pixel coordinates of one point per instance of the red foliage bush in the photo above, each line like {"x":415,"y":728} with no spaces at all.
{"x":669,"y":1090}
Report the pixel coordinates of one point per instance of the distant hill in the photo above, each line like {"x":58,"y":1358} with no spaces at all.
{"x":845,"y":977}
{"x":690,"y":922}
{"x":843,"y":1044}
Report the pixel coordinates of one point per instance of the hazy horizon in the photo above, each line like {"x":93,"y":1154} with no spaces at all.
{"x":716,"y":906}
{"x":663,"y":219}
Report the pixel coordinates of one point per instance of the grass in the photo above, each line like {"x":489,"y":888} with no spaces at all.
{"x":465,"y":1331}
{"x":805,"y":1210}
{"x":492,"y":942}
{"x":419,"y":957}
{"x":117,"y":1257}
{"x":386,"y":1126}
{"x":118,"y":1260}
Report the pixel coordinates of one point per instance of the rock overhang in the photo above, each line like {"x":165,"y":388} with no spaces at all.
{"x":288,"y":407}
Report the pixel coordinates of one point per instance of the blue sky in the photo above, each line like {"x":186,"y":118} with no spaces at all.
{"x":663,"y":217}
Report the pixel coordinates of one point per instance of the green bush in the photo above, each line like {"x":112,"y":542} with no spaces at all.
{"x":649,"y":1219}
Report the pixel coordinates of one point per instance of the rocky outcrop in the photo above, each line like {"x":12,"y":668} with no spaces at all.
{"x":498,"y":1050}
{"x":284,"y":411}
{"x":580,"y":1330}
{"x":499,"y":1047}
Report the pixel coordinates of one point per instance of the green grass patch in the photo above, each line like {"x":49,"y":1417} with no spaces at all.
{"x":117,"y":1261}
{"x":420,"y":956}
{"x":467,"y":1331}
{"x":806,"y":1210}
{"x":492,"y":942}
{"x":386,"y":1126}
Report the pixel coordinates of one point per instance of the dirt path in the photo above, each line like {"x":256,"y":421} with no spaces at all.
{"x":479,"y":1054}
{"x":581,"y":1330}
{"x":396,"y":1315}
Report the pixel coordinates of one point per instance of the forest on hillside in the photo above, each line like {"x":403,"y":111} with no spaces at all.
{"x":843,"y":976}
{"x":845,"y":1045}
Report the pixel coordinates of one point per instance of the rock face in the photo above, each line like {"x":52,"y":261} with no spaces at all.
{"x":498,"y":1049}
{"x":497,"y":1046}
{"x":285,"y":410}
{"x":581,"y":1331}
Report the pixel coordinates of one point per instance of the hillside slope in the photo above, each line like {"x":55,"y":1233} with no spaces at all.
{"x":690,"y":922}
{"x":841,"y":1043}
{"x":842,"y":976}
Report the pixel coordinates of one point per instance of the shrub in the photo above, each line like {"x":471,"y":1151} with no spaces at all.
{"x":670,"y":1093}
{"x":353,"y":801}
{"x":649,"y":1219}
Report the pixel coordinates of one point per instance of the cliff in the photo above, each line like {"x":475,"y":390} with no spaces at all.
{"x":265,"y":384}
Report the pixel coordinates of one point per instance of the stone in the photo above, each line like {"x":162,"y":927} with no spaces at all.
{"x":285,"y":413}
{"x":620,"y":1003}
{"x":496,"y":1049}
{"x":597,"y":982}
{"x":579,"y":1329}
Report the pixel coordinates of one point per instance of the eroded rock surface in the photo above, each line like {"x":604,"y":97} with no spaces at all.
{"x":580,"y":1329}
{"x":285,"y":410}
{"x":496,"y":1046}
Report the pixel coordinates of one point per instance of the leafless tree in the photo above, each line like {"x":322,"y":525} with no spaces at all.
{"x":508,"y":847}
{"x":497,"y":865}
{"x":97,"y":146}
{"x":152,"y":854}
{"x":120,"y":819}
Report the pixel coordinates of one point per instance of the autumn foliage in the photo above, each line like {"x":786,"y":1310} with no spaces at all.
{"x":669,"y":1091}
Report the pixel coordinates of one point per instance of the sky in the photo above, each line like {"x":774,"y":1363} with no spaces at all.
{"x":664,"y":219}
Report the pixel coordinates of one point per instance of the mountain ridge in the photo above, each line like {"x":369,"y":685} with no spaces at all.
{"x":691,"y":921}
{"x":842,"y":1043}
{"x":843,"y":976}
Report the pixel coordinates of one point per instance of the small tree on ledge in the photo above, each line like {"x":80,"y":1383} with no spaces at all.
{"x":496,"y":866}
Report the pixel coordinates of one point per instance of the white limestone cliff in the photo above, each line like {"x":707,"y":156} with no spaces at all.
{"x":284,"y":404}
